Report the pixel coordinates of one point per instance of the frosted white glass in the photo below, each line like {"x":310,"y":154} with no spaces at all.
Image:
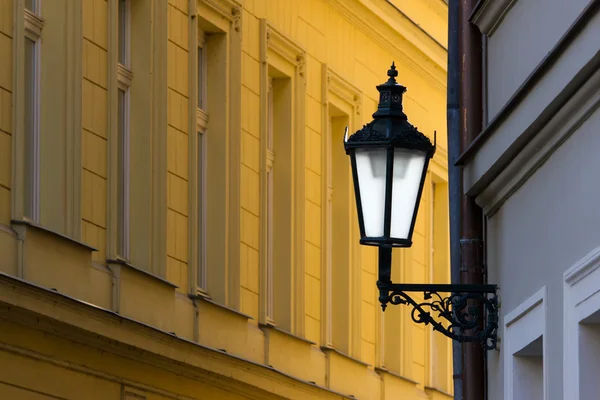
{"x":371,"y":170}
{"x":408,"y":170}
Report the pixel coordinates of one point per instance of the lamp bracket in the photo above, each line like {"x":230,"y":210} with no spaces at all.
{"x":452,"y":309}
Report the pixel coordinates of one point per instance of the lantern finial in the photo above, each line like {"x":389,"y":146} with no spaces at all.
{"x":390,"y":96}
{"x":392,"y":73}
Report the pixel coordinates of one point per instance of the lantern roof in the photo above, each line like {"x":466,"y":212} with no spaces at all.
{"x":390,"y":124}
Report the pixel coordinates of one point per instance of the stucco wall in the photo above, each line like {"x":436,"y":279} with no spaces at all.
{"x":526,"y":34}
{"x":542,"y":230}
{"x":332,"y":53}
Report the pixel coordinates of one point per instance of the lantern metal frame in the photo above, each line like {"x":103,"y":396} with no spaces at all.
{"x":390,"y":130}
{"x":390,"y":145}
{"x":462,"y":312}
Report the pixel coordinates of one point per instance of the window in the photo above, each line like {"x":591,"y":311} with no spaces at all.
{"x":31,"y":5}
{"x":279,"y":214}
{"x":124,"y":77}
{"x":202,"y":69}
{"x":123,"y":35}
{"x":581,"y":328}
{"x":201,"y":127}
{"x":31,"y":151}
{"x":528,"y":371}
{"x":341,"y":255}
{"x":280,"y":210}
{"x":339,"y":213}
{"x":209,"y":275}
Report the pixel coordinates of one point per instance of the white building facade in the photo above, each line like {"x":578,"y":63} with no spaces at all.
{"x":533,"y":170}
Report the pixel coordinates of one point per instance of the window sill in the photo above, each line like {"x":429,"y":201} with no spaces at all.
{"x":206,"y":298}
{"x":327,"y":349}
{"x":124,"y":263}
{"x":274,"y":328}
{"x":383,"y":370}
{"x":433,"y":389}
{"x":35,"y":225}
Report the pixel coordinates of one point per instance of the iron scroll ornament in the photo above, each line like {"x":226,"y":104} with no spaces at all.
{"x":456,"y":314}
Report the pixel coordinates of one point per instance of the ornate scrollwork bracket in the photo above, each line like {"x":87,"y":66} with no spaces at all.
{"x":454,"y":310}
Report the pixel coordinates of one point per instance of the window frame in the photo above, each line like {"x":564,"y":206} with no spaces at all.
{"x":124,"y":79}
{"x":522,"y":326}
{"x":283,"y":59}
{"x":221,"y":21}
{"x":338,"y":332}
{"x":127,"y":32}
{"x":342,"y":94}
{"x":581,"y":299}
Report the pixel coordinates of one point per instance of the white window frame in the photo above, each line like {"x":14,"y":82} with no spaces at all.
{"x":124,"y":78}
{"x":270,"y":196}
{"x":33,"y":31}
{"x":522,"y":326}
{"x":201,"y":129}
{"x":581,"y":291}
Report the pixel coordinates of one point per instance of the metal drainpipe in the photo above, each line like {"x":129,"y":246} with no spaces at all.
{"x":454,"y":175}
{"x":471,"y":242}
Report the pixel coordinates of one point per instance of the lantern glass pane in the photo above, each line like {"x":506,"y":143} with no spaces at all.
{"x":371,"y":170}
{"x":408,"y":171}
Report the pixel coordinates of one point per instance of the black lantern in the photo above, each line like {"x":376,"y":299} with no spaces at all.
{"x":389,"y":159}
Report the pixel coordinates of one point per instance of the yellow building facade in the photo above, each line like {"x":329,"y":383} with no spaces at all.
{"x":176,"y":210}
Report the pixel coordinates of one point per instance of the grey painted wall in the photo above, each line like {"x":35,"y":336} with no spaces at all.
{"x":579,"y":54}
{"x":542,"y":230}
{"x":527,"y":33}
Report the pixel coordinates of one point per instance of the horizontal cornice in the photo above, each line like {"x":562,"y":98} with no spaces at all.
{"x":522,"y":166}
{"x":543,"y":68}
{"x":97,"y":327}
{"x":398,"y":35}
{"x":441,"y":4}
{"x":489,"y":13}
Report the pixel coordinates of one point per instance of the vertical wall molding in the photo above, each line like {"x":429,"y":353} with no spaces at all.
{"x":159,"y":138}
{"x":263,"y":283}
{"x":112,"y":125}
{"x":299,"y":198}
{"x":193,"y":224}
{"x":326,"y":275}
{"x":234,"y":158}
{"x":18,"y":85}
{"x":74,"y":120}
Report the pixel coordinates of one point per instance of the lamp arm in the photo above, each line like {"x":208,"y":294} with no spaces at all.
{"x":452,"y":310}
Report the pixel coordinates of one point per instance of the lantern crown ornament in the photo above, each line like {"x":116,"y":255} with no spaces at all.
{"x":389,"y":158}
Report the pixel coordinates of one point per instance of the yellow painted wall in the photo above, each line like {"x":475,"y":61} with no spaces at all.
{"x":142,"y":328}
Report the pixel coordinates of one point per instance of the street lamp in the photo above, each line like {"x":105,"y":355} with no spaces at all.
{"x":389,"y":159}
